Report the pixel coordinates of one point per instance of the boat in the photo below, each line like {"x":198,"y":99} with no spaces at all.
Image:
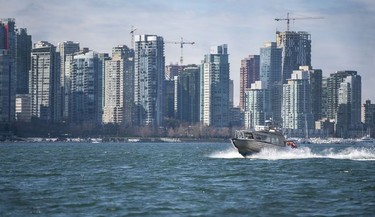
{"x":248,"y":142}
{"x":365,"y":139}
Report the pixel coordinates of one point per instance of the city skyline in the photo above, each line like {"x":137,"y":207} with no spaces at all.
{"x":243,"y":25}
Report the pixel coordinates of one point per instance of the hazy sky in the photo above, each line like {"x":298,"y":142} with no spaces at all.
{"x":343,"y":40}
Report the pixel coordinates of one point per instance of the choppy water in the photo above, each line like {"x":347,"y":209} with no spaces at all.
{"x":182,"y":179}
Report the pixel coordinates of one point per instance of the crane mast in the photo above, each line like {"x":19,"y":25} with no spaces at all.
{"x":181,"y":43}
{"x":288,"y":19}
{"x":132,"y":32}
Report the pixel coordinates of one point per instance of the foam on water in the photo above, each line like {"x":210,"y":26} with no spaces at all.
{"x":351,"y":153}
{"x":229,"y":153}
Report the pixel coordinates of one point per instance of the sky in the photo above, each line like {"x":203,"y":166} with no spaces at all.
{"x":343,"y":40}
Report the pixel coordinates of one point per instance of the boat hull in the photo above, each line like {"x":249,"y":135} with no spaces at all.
{"x":248,"y":147}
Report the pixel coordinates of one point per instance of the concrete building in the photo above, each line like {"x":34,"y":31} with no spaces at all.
{"x":270,"y":74}
{"x":8,"y":69}
{"x":249,"y":73}
{"x":296,"y":51}
{"x":23,"y":107}
{"x":86,"y":89}
{"x":256,"y":99}
{"x":45,"y":82}
{"x":118,"y":73}
{"x":214,"y":88}
{"x":149,"y":63}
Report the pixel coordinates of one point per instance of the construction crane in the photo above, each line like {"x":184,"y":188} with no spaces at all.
{"x":288,"y":19}
{"x":181,"y":43}
{"x":132,"y":32}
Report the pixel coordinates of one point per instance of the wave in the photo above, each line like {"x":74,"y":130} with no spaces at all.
{"x":229,"y":153}
{"x":350,"y":153}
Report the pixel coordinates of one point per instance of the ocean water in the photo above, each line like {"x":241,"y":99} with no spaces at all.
{"x":185,"y":179}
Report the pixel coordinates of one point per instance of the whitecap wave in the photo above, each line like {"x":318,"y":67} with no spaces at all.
{"x":350,"y":153}
{"x":229,"y":153}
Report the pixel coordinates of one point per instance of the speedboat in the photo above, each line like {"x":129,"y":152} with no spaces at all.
{"x":248,"y":142}
{"x":365,"y":139}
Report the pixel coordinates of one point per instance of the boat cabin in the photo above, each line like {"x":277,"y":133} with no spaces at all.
{"x":262,"y":136}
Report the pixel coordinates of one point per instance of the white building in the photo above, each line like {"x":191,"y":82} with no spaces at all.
{"x":296,"y":109}
{"x":214,"y":88}
{"x":23,"y":107}
{"x":117,"y":71}
{"x":256,"y":99}
{"x":45,"y":82}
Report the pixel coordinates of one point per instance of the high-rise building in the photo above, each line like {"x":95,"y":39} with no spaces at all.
{"x":256,"y":100}
{"x":270,"y":74}
{"x":348,"y":116}
{"x":5,"y":87}
{"x":102,"y":58}
{"x":23,"y":46}
{"x":330,"y":96}
{"x":231,"y":93}
{"x":170,"y":92}
{"x":8,"y":69}
{"x":187,"y":94}
{"x":214,"y":88}
{"x":86,"y":89}
{"x":128,"y":116}
{"x":23,"y":107}
{"x":172,"y":70}
{"x":296,"y":51}
{"x":149,"y":68}
{"x":249,"y":73}
{"x":315,"y":80}
{"x":369,"y":117}
{"x":296,"y":108}
{"x":45,"y":81}
{"x":66,"y":49}
{"x":325,"y":98}
{"x":118,"y":72}
{"x":316,"y":91}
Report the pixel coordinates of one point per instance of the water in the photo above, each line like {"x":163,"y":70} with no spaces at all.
{"x":182,"y":179}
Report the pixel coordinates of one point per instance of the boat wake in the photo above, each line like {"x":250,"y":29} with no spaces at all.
{"x":229,"y":153}
{"x":351,"y":153}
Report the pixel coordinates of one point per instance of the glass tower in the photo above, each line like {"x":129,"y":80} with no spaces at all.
{"x":296,"y":51}
{"x":8,"y":69}
{"x":214,"y":88}
{"x":270,"y":74}
{"x":149,"y":76}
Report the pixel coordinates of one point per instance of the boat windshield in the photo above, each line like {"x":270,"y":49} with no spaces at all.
{"x":269,"y":138}
{"x":244,"y":135}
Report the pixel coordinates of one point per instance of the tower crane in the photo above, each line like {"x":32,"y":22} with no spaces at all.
{"x":181,"y":43}
{"x":288,"y":19}
{"x":132,"y":31}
